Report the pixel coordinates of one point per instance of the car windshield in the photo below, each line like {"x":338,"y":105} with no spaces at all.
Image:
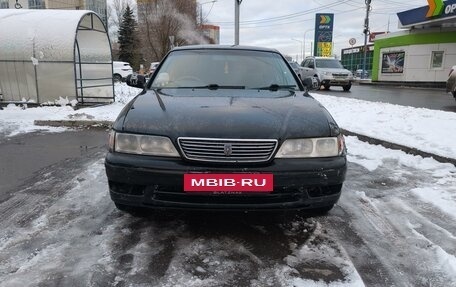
{"x":215,"y":69}
{"x":328,"y":63}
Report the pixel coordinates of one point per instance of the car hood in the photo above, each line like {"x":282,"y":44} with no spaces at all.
{"x":223,"y":115}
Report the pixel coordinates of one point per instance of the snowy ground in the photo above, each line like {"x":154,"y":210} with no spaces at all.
{"x":394,"y":224}
{"x":62,"y":229}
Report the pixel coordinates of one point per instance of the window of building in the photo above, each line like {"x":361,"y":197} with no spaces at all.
{"x":437,"y":60}
{"x":4,"y":4}
{"x":36,"y":4}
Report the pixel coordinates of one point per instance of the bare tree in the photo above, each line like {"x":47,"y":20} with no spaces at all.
{"x":160,"y":19}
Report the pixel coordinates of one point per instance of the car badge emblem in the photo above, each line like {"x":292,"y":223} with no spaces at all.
{"x":227,"y":150}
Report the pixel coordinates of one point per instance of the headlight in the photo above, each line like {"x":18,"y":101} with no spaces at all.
{"x":313,"y":147}
{"x":327,"y":73}
{"x":112,"y":135}
{"x":143,"y":144}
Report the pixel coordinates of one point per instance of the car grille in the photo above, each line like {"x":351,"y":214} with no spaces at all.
{"x":227,"y":150}
{"x":340,"y":75}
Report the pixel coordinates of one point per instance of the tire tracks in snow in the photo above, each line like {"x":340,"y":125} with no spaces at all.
{"x":394,"y":231}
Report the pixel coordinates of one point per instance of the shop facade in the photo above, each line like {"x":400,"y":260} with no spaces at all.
{"x":424,"y":53}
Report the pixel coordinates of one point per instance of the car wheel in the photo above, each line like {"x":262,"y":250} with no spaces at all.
{"x":117,"y":78}
{"x":347,"y":88}
{"x":327,"y":87}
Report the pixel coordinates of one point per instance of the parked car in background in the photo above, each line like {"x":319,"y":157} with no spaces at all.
{"x":153,"y":67}
{"x":296,"y":68}
{"x":451,"y":82}
{"x":359,"y":74}
{"x":329,"y":71}
{"x":227,"y":128}
{"x":121,"y":70}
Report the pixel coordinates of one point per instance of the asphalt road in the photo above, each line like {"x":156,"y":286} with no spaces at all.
{"x":435,"y":99}
{"x":59,"y":228}
{"x":25,"y":155}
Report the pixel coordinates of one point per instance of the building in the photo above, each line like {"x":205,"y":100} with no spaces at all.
{"x":353,"y":58}
{"x":211,"y":33}
{"x":97,"y":6}
{"x":424,"y":52}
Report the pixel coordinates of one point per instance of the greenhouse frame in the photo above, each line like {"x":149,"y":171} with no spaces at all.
{"x":50,"y":55}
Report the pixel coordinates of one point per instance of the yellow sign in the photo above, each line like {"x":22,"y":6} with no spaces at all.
{"x":324,"y":49}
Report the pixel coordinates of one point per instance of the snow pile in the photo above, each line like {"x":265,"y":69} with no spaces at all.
{"x":20,"y":119}
{"x":427,"y":130}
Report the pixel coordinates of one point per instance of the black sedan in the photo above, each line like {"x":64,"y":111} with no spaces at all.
{"x":225,"y":128}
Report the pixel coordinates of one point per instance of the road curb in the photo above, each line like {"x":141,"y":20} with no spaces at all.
{"x":74,"y":123}
{"x":361,"y":137}
{"x":406,"y":149}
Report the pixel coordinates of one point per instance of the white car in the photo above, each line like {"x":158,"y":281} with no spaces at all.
{"x":121,"y":70}
{"x":153,"y":67}
{"x":329,"y":72}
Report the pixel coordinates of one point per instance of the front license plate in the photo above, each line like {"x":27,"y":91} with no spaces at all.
{"x":228,"y":183}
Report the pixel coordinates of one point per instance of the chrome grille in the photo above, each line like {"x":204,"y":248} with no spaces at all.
{"x":227,"y":150}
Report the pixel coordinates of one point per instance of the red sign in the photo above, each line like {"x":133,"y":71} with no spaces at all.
{"x":228,"y":182}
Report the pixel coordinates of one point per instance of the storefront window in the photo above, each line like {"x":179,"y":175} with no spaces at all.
{"x":437,"y":59}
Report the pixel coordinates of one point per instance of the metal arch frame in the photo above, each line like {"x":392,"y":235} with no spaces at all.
{"x":79,"y":77}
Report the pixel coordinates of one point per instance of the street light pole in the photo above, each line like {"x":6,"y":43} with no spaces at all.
{"x":301,"y":52}
{"x":366,"y":32}
{"x":237,"y":4}
{"x":201,"y":10}
{"x":305,"y":33}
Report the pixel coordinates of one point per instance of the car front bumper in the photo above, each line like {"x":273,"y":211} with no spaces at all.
{"x":336,"y":81}
{"x":157,"y":182}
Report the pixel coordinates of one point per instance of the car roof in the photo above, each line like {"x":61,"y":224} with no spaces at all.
{"x":225,"y":47}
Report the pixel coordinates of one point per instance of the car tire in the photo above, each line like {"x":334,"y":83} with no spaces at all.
{"x":326,"y":86}
{"x":347,"y":87}
{"x":454,"y":93}
{"x":117,"y":78}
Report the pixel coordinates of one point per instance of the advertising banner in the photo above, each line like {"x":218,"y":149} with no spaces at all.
{"x":393,"y":62}
{"x":436,"y":11}
{"x":324,"y":24}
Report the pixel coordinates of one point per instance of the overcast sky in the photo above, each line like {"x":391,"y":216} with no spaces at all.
{"x":274,"y":23}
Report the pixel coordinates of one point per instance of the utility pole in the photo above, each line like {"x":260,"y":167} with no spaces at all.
{"x":366,"y":32}
{"x":237,"y":4}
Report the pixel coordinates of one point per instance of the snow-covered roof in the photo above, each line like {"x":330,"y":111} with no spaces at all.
{"x":46,"y":53}
{"x":47,"y":35}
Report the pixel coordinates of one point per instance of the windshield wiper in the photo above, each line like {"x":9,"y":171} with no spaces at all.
{"x":275,"y":87}
{"x":214,"y":87}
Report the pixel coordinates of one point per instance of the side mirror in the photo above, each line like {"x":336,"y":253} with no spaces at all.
{"x":311,"y":83}
{"x":136,"y":81}
{"x":311,"y":66}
